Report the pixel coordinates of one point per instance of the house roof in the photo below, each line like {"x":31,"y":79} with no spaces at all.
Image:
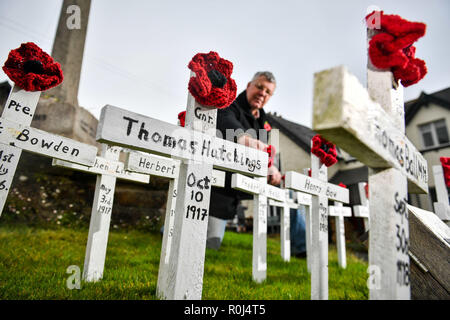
{"x":298,"y":133}
{"x":351,"y":176}
{"x":5,"y":84}
{"x":441,"y":98}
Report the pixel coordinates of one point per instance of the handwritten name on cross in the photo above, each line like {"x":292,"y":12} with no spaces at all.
{"x":317,"y":185}
{"x":167,"y":168}
{"x":362,"y":210}
{"x":108,"y":169}
{"x":441,"y":207}
{"x":16,"y":135}
{"x":199,"y":152}
{"x":369,"y":125}
{"x":261,"y":192}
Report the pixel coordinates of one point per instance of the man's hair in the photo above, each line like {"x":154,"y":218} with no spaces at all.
{"x":267,"y":74}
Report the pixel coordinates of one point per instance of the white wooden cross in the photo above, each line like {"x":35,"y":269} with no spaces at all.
{"x":108,"y":169}
{"x":317,"y":185}
{"x":441,"y":207}
{"x":15,"y":135}
{"x":338,"y":211}
{"x":369,"y":125}
{"x":167,"y":168}
{"x":362,"y":210}
{"x":200,"y":150}
{"x":305,"y":200}
{"x":285,"y":224}
{"x":261,"y":192}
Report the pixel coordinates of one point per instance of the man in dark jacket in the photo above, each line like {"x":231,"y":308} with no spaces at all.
{"x":244,"y":122}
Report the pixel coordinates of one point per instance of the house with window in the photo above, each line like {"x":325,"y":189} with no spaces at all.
{"x":427,"y":121}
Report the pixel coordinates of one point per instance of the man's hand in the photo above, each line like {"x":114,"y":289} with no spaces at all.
{"x":248,"y":141}
{"x":273,"y":176}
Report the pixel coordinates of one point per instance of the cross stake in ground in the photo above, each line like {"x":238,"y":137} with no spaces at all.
{"x":108,"y":169}
{"x":338,"y":211}
{"x":321,"y":192}
{"x":261,"y":193}
{"x":167,"y":168}
{"x":362,"y":210}
{"x":199,"y":151}
{"x":15,"y":135}
{"x":369,"y":125}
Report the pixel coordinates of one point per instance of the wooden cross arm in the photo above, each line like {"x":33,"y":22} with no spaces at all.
{"x":46,"y":144}
{"x":289,"y":204}
{"x":306,"y":184}
{"x":252,"y":186}
{"x":346,"y":115}
{"x":163,"y":167}
{"x":106,"y":167}
{"x":361,"y":211}
{"x":131,"y":130}
{"x":337,"y":211}
{"x":304,"y":198}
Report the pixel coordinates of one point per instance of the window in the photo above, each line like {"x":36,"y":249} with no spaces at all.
{"x":434,"y":133}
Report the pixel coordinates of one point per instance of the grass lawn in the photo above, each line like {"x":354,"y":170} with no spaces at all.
{"x":33,"y":264}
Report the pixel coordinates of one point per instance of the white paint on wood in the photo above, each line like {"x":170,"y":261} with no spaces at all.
{"x":44,"y":143}
{"x":187,"y":252}
{"x":107,"y":167}
{"x":441,"y":207}
{"x":362,"y":211}
{"x":285,"y":227}
{"x":132,"y":130}
{"x":338,"y":211}
{"x":345,"y":114}
{"x":9,"y":158}
{"x":438,"y":227}
{"x":314,"y":186}
{"x":153,"y":165}
{"x":262,"y":192}
{"x":389,"y":234}
{"x":94,"y":261}
{"x":319,"y":235}
{"x":20,"y":107}
{"x":259,"y":270}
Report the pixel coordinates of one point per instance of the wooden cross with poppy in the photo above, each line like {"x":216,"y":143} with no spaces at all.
{"x":32,"y":71}
{"x":369,"y":125}
{"x":198,"y":149}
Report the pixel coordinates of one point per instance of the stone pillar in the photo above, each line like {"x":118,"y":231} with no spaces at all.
{"x":68,"y":48}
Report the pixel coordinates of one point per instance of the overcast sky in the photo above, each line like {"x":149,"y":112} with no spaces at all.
{"x":137,"y":51}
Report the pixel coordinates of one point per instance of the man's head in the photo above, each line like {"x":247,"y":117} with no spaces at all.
{"x":260,"y":89}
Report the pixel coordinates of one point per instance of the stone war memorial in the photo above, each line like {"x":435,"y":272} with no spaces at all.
{"x":124,"y":201}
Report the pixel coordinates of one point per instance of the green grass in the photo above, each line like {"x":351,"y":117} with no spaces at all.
{"x":33,"y":264}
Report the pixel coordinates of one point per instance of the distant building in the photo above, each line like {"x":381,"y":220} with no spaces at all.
{"x":427,"y":120}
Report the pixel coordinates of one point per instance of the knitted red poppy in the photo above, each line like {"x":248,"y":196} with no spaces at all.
{"x":212,"y":84}
{"x":270,"y":149}
{"x":32,"y":69}
{"x":445,"y":162}
{"x":324,"y":150}
{"x":182,"y":118}
{"x":267,"y":126}
{"x":392,"y":48}
{"x":342,"y":185}
{"x":366,"y":189}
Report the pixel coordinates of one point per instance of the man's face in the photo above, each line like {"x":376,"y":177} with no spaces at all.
{"x":259,"y":92}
